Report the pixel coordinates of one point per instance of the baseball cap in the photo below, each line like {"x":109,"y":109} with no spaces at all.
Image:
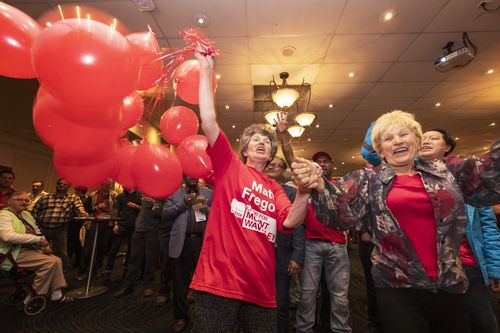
{"x":321,"y":153}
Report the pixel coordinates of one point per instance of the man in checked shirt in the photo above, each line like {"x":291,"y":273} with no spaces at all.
{"x":53,"y":212}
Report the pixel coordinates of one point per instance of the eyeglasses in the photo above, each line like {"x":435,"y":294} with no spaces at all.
{"x":275,"y":165}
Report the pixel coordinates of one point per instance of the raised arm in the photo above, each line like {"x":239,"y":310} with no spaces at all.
{"x":281,"y":130}
{"x":207,"y":106}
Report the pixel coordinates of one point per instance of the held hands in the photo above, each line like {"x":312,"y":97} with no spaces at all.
{"x":307,"y":175}
{"x":206,"y":60}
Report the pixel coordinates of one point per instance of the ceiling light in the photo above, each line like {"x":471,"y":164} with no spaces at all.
{"x":351,"y":74}
{"x":437,"y":104}
{"x":457,"y":138}
{"x":305,"y":118}
{"x":388,"y":15}
{"x":352,"y":156}
{"x":226,"y":107}
{"x":284,"y":96}
{"x":234,"y":126}
{"x":288,"y":51}
{"x":296,"y":131}
{"x":343,"y":163}
{"x":492,"y":124}
{"x":201,"y":20}
{"x":237,"y":140}
{"x":485,"y":148}
{"x":271,"y":116}
{"x":317,"y":125}
{"x":490,"y":71}
{"x":309,"y":139}
{"x":145,"y":5}
{"x":217,"y":76}
{"x":334,"y":168}
{"x":330,"y":106}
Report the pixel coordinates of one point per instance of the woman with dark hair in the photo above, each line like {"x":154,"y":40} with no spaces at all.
{"x":415,"y":211}
{"x":235,"y":275}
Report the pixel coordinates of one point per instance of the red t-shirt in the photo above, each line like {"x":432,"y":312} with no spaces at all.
{"x":315,"y":230}
{"x":238,"y":255}
{"x":410,"y":204}
{"x":466,"y":254}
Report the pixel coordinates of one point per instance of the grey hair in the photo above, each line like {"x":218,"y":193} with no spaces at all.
{"x":263,"y":129}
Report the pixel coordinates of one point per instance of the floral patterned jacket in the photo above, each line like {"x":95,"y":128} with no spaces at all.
{"x":361,"y":196}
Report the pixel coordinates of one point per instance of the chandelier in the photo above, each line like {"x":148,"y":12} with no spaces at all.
{"x":291,"y":99}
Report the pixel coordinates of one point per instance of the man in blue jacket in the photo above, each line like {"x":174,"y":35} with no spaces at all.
{"x":482,"y":241}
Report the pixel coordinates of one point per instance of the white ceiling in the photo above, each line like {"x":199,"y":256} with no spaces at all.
{"x":393,"y":61}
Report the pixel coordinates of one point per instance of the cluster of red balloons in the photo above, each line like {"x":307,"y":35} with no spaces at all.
{"x":89,"y":74}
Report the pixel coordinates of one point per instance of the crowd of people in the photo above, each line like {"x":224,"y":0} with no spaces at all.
{"x":268,"y":227}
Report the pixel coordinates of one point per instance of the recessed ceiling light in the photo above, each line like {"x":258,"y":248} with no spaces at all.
{"x":217,"y":76}
{"x":226,"y":107}
{"x":388,"y":15}
{"x":352,"y":156}
{"x":301,"y":149}
{"x":234,"y":126}
{"x":335,"y":168}
{"x":237,"y":140}
{"x":437,"y":104}
{"x":330,"y":106}
{"x":308,"y":139}
{"x":201,"y":20}
{"x":317,"y":125}
{"x":457,"y":138}
{"x":485,"y":148}
{"x":351,"y":74}
{"x":490,"y":71}
{"x":145,"y":5}
{"x":492,"y":124}
{"x":288,"y":51}
{"x":48,"y":24}
{"x":343,"y":163}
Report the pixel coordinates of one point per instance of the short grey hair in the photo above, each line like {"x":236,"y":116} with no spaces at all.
{"x":263,"y":129}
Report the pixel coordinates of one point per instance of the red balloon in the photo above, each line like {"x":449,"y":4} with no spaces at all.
{"x":132,"y":109}
{"x":156,"y":171}
{"x":68,"y":137}
{"x":17,"y":33}
{"x":125,"y":156}
{"x":87,"y":172}
{"x":149,"y":51}
{"x":194,"y":158}
{"x":108,"y":117}
{"x":177,"y":123}
{"x":85,"y":62}
{"x":186,"y":81}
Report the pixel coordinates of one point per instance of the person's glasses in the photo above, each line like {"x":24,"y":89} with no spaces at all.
{"x":276,"y":165}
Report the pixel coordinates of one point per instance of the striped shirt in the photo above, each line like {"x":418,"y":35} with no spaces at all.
{"x":53,"y":211}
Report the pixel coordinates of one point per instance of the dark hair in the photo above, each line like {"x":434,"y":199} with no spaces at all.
{"x":447,"y":138}
{"x":8,"y":171}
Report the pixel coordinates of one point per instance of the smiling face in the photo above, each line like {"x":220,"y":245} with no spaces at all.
{"x":433,"y":146}
{"x":18,"y":202}
{"x":258,"y":151}
{"x":399,"y":146}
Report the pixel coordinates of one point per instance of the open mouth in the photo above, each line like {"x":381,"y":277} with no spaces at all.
{"x":261,"y":150}
{"x":401,"y":150}
{"x":426,"y":147}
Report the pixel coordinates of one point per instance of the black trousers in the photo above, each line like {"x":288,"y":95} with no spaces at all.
{"x":74,"y":246}
{"x":124,"y":232}
{"x":411,"y":310}
{"x":283,"y":281}
{"x":479,"y":302}
{"x":365,"y":256}
{"x":144,"y":245}
{"x":166,"y":273}
{"x":183,"y":268}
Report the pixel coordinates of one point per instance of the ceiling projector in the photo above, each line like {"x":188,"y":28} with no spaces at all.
{"x":457,"y":58}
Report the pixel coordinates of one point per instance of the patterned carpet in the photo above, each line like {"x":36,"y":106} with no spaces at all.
{"x":134,"y":313}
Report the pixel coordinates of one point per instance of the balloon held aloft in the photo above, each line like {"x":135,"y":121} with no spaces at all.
{"x":17,"y":33}
{"x":132,"y":110}
{"x":194,"y":158}
{"x":186,"y":81}
{"x":85,"y":62}
{"x":177,"y":123}
{"x":156,"y":171}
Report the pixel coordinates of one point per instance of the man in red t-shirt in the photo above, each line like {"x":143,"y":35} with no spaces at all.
{"x":325,"y":249}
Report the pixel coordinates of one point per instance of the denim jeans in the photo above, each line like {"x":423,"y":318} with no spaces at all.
{"x":335,"y":260}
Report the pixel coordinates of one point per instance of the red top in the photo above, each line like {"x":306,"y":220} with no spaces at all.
{"x":238,"y":255}
{"x":411,"y":206}
{"x":466,"y":254}
{"x":315,"y":230}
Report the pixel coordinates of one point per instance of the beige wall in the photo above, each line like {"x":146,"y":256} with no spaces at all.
{"x":29,"y":159}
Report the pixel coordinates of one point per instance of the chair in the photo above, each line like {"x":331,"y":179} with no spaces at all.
{"x":24,"y":292}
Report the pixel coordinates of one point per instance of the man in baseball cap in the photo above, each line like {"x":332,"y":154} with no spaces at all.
{"x":325,"y":161}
